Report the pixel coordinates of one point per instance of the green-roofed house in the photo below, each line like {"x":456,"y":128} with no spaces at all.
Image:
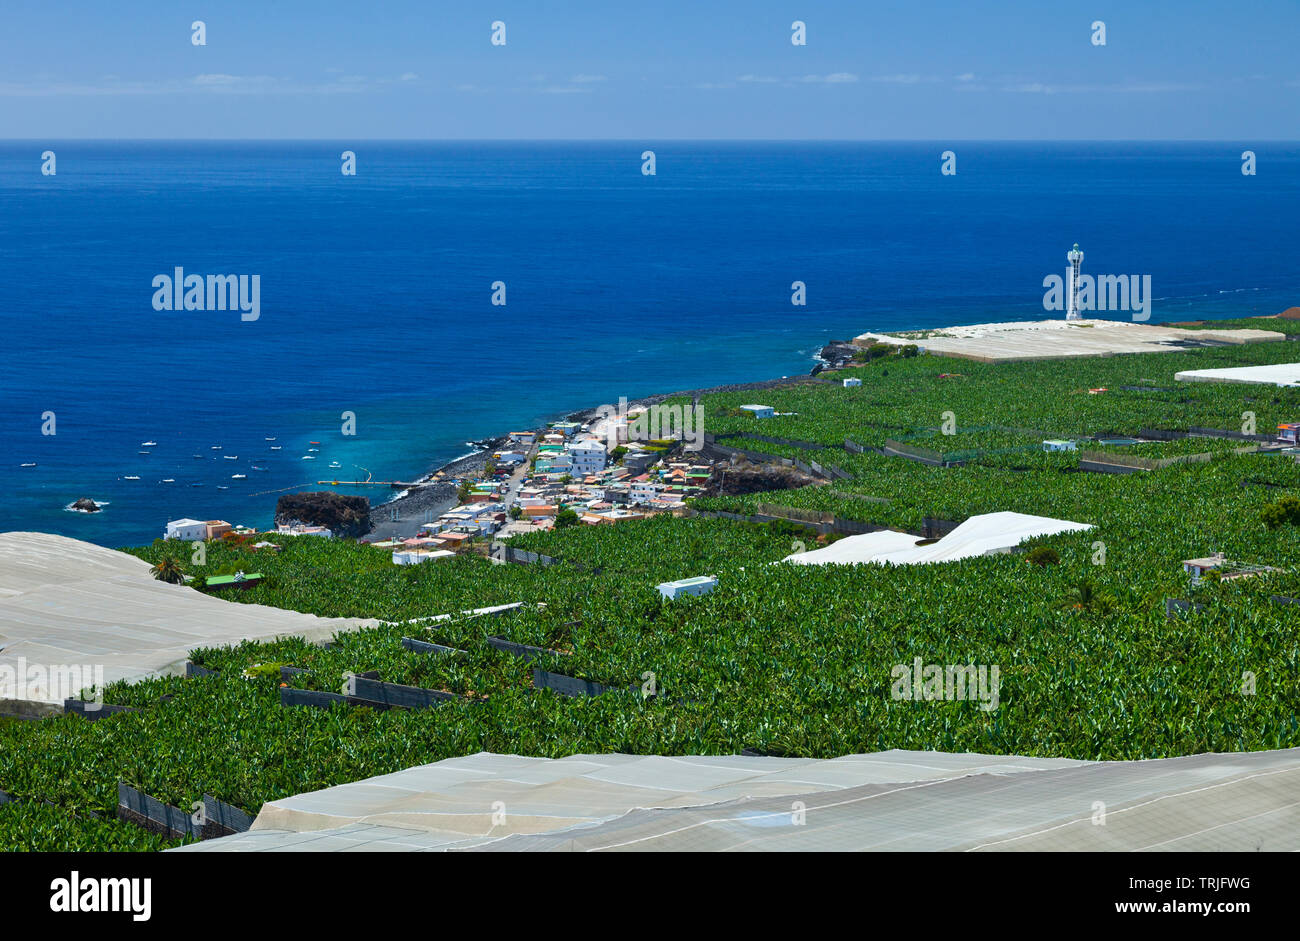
{"x":238,"y":580}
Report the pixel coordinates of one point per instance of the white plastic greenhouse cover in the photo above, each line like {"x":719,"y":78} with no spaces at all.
{"x":979,"y":535}
{"x":895,"y":800}
{"x":1276,"y":374}
{"x":68,"y":602}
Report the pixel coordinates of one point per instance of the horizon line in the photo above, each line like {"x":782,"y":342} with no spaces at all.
{"x":702,"y":140}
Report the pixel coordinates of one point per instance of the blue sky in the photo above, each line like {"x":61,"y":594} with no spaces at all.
{"x":666,"y":69}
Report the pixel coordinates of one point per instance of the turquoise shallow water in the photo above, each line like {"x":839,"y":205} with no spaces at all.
{"x":375,"y":290}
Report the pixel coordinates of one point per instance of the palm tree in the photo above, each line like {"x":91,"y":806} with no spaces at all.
{"x":168,"y":570}
{"x":1085,"y":597}
{"x":1082,"y":595}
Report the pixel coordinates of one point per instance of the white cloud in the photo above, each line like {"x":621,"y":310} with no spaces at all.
{"x":1043,"y":88}
{"x":835,"y":78}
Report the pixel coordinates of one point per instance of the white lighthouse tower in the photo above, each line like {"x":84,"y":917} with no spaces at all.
{"x":1075,"y":258}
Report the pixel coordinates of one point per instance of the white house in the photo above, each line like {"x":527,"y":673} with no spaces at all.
{"x":850,"y":383}
{"x":699,"y":585}
{"x":186,"y":529}
{"x":588,"y":456}
{"x":759,"y":411}
{"x":1057,"y":444}
{"x":643,"y":491}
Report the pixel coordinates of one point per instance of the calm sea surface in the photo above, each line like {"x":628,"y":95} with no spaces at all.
{"x":376,"y":289}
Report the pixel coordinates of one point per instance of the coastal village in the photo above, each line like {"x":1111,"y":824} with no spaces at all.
{"x":568,"y":473}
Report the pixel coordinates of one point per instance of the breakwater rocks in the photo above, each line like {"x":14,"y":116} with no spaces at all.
{"x":837,"y":353}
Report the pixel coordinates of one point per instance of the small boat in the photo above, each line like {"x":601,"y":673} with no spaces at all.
{"x":270,"y":439}
{"x":216,"y":447}
{"x":131,"y":478}
{"x":238,"y":476}
{"x":141,"y":452}
{"x":335,"y":464}
{"x":255,"y":467}
{"x":231,"y":457}
{"x":222,"y":487}
{"x":196,"y":485}
{"x":308,"y":457}
{"x":275,"y":447}
{"x":197,"y":457}
{"x":148,"y":444}
{"x":33,"y":464}
{"x":313,"y":442}
{"x":313,"y":449}
{"x":169,"y":480}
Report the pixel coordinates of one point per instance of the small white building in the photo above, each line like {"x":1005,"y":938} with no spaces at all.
{"x":186,"y":529}
{"x":1197,"y":568}
{"x":1057,"y":444}
{"x":851,"y":383}
{"x":759,"y":411}
{"x":699,"y":585}
{"x":298,"y":529}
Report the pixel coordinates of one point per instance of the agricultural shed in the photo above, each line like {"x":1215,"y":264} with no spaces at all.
{"x":64,"y":601}
{"x":979,"y":535}
{"x":893,"y":800}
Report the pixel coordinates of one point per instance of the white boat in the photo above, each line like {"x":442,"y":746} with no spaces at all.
{"x":231,"y":457}
{"x":222,"y":487}
{"x":313,"y":449}
{"x":255,"y":467}
{"x":275,"y":447}
{"x":308,"y":457}
{"x":131,"y":478}
{"x":216,"y":447}
{"x":238,"y":476}
{"x":148,"y":444}
{"x":197,"y":457}
{"x":270,"y":439}
{"x":27,"y":465}
{"x":335,"y":464}
{"x":169,"y":480}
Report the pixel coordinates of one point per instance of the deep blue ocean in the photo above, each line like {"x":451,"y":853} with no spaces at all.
{"x":376,"y":289}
